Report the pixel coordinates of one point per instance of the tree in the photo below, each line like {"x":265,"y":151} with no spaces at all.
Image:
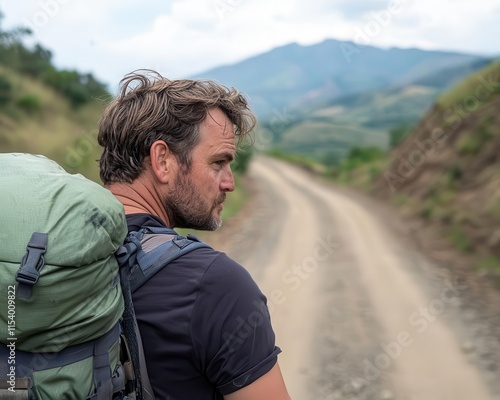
{"x":243,"y":157}
{"x":37,"y":62}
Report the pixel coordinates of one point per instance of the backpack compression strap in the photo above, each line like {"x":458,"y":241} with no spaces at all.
{"x":144,"y":253}
{"x":29,"y":363}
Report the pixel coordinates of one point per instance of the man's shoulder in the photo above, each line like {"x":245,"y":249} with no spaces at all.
{"x":215,"y":265}
{"x":203,"y":265}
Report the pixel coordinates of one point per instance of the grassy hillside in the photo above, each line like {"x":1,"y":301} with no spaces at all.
{"x":46,"y":110}
{"x":446,"y":173}
{"x":39,"y":119}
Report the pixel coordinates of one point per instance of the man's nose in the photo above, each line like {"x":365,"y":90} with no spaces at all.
{"x":227,"y":183}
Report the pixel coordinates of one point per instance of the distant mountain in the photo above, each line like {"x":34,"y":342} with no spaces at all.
{"x":447,"y":77}
{"x":294,"y":76}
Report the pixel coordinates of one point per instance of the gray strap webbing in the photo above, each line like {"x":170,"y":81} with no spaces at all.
{"x":102,"y":371}
{"x":69,"y":355}
{"x":6,"y":394}
{"x":20,"y":390}
{"x":147,"y":389}
{"x":20,"y":383}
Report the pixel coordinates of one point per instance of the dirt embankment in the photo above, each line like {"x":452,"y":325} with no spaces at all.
{"x":445,"y":177}
{"x":444,"y":181}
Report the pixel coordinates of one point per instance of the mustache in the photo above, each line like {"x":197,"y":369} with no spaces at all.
{"x":221,"y":199}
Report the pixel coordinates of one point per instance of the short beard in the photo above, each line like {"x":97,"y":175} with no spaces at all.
{"x":182,"y":218}
{"x":185,"y":207}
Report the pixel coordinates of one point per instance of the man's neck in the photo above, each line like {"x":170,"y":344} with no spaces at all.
{"x":138,"y":198}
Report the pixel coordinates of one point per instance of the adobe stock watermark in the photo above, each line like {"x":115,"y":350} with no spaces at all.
{"x":11,"y":339}
{"x":275,"y":124}
{"x":223,"y":7}
{"x":453,"y":117}
{"x":291,"y":280}
{"x":83,"y":148}
{"x":420,"y":320}
{"x":378,"y":22}
{"x":47,"y":9}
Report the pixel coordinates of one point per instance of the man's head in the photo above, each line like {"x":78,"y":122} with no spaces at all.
{"x":150,"y":107}
{"x":176,"y":138}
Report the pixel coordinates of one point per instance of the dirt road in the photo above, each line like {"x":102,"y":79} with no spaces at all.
{"x":354,"y":314}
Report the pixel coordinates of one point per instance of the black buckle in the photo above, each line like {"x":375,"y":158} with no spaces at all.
{"x":33,"y":261}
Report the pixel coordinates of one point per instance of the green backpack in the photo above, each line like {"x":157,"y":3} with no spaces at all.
{"x":61,"y":304}
{"x":68,"y":269}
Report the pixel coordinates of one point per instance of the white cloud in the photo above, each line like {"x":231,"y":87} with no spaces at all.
{"x":226,"y":31}
{"x":180,"y":38}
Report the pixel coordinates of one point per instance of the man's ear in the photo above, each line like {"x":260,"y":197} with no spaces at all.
{"x":162,"y":161}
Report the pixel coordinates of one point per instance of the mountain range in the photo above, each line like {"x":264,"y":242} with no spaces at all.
{"x":295,"y":76}
{"x":325,"y":98}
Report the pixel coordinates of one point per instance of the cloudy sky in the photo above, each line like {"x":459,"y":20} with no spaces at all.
{"x":179,"y":38}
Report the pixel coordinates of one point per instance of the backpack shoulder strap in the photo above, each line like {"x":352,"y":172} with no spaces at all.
{"x":152,"y":248}
{"x":143,"y":254}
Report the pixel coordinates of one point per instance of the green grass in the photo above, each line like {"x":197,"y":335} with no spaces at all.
{"x":29,"y":103}
{"x":459,"y":240}
{"x":235,"y":200}
{"x":297,"y":159}
{"x":490,"y":263}
{"x":494,"y":209}
{"x":39,"y":120}
{"x":401,"y":199}
{"x":317,"y":140}
{"x":439,"y":200}
{"x":466,"y":90}
{"x":361,"y":168}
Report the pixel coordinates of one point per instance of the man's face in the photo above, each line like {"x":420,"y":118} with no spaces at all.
{"x":198,"y":194}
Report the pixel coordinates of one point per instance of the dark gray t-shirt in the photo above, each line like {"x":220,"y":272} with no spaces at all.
{"x":204,"y":324}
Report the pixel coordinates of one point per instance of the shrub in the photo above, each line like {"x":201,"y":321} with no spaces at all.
{"x":5,"y":90}
{"x":243,"y":157}
{"x":460,"y":240}
{"x":468,"y":145}
{"x":491,"y":263}
{"x":359,"y":156}
{"x":29,"y":103}
{"x":455,"y":173}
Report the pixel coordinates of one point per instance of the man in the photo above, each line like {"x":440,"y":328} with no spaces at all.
{"x":204,"y":323}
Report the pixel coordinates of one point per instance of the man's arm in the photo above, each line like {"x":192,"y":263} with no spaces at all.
{"x":270,"y":386}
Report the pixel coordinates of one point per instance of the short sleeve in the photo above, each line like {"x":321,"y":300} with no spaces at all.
{"x":231,"y":327}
